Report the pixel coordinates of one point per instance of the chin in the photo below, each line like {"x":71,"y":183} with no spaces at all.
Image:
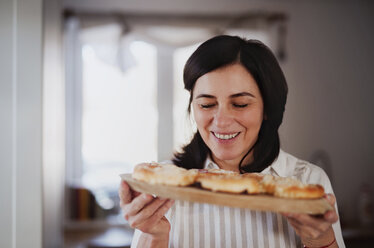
{"x":226,"y":156}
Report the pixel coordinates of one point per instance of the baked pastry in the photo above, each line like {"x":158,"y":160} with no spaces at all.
{"x":268,"y":183}
{"x":166,"y":174}
{"x":232,"y":182}
{"x":227,"y":181}
{"x":287,"y":187}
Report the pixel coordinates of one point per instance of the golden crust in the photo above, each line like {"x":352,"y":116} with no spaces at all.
{"x":287,"y":187}
{"x":231,"y":182}
{"x":166,"y":174}
{"x":309,"y":191}
{"x":268,"y":183}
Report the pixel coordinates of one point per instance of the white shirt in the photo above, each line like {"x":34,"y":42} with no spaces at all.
{"x":204,"y":225}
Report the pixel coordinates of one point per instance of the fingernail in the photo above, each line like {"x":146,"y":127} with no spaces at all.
{"x":330,"y":215}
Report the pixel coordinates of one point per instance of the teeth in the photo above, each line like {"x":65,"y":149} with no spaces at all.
{"x":225,"y":136}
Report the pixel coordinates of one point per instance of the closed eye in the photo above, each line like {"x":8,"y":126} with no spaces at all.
{"x":240,"y":105}
{"x":206,"y":106}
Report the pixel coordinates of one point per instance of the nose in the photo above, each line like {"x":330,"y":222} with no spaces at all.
{"x":223,"y":118}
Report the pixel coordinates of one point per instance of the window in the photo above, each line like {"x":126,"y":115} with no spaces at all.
{"x":111,"y":116}
{"x":119,"y":113}
{"x":184,"y":126}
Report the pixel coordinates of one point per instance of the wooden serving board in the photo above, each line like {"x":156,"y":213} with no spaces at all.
{"x":254,"y":202}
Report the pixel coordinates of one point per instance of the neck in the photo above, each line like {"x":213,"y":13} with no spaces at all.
{"x":233,"y":164}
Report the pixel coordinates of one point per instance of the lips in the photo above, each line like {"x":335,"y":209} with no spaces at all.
{"x":226,"y":136}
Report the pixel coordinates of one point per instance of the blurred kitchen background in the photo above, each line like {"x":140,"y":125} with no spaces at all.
{"x":90,"y":88}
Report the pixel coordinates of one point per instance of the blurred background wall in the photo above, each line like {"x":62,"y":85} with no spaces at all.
{"x":329,"y":72}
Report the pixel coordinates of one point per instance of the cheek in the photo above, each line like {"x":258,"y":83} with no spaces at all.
{"x":254,"y":120}
{"x":201,"y":119}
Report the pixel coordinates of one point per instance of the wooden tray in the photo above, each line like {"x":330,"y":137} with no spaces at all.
{"x":254,"y":202}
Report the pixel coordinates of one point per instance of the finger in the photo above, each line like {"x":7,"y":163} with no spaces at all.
{"x":150,"y":209}
{"x":124,"y":193}
{"x":296,"y":226}
{"x":319,"y":224}
{"x":287,"y":214}
{"x":303,"y":230}
{"x":135,"y":193}
{"x":330,"y":199}
{"x":146,"y":213}
{"x":297,"y":231}
{"x":157,"y":215}
{"x":331,"y":216}
{"x":293,"y":220}
{"x":136,"y":205}
{"x":306,"y":219}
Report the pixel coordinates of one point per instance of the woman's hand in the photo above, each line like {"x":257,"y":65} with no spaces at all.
{"x":315,"y":231}
{"x":146,"y":213}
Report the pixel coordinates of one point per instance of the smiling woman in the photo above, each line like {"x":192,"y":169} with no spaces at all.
{"x":238,"y":94}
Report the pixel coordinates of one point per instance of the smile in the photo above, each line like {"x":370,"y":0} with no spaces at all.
{"x":225,"y":136}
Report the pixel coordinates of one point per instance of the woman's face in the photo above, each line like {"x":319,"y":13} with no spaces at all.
{"x":228,"y":110}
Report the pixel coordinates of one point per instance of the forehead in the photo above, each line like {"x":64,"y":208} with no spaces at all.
{"x":227,"y":80}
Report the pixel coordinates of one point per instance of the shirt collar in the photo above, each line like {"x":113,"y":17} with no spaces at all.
{"x":278,"y":166}
{"x":209,"y":164}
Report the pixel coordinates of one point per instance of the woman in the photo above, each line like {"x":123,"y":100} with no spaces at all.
{"x":238,"y":94}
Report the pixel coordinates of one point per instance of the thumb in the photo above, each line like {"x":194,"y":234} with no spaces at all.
{"x":331,"y":216}
{"x":330,"y":199}
{"x":124,"y":193}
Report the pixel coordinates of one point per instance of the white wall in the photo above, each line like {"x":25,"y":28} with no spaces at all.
{"x":6,"y":125}
{"x":53,"y":125}
{"x":21,"y":123}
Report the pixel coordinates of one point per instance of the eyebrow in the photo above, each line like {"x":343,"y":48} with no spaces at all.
{"x":242,"y":94}
{"x":205,"y":96}
{"x":232,"y":96}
